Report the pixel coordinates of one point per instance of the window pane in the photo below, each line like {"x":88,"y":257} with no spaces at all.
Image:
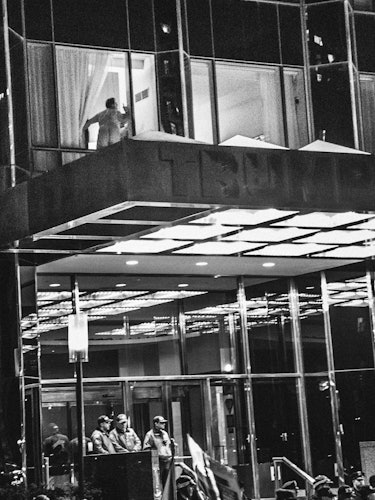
{"x":365,"y":33}
{"x":312,"y":323}
{"x":327,"y":37}
{"x":332,"y":104}
{"x":357,"y":412}
{"x":141,"y":25}
{"x":319,"y":416}
{"x":38,"y":19}
{"x":249,"y":102}
{"x":269,"y":328}
{"x":166,"y":24}
{"x":276,"y":420}
{"x":170,"y":99}
{"x":295,"y":104}
{"x":144,"y":93}
{"x":91,"y":22}
{"x":202,"y":101}
{"x":367,"y":84}
{"x":86,"y":79}
{"x":42,"y":95}
{"x":290,"y":32}
{"x":199,"y":27}
{"x":350,"y":319}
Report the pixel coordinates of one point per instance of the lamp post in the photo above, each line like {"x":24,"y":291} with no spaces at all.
{"x":78,"y":353}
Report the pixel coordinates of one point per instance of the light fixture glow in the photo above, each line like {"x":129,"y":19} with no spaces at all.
{"x":183,"y":285}
{"x":269,"y":264}
{"x":120,"y":285}
{"x":201,"y":263}
{"x":55,"y":285}
{"x":131,"y":262}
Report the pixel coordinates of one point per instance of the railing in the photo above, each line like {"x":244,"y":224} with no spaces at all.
{"x":278,"y":461}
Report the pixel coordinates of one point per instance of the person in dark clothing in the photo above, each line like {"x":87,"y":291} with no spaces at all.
{"x":56,"y":447}
{"x":283,"y":494}
{"x":345,"y":492}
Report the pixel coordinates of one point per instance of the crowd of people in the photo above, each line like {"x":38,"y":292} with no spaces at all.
{"x":358,"y":489}
{"x":120,"y":439}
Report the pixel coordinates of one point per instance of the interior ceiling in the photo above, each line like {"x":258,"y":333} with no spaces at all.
{"x":143,"y":258}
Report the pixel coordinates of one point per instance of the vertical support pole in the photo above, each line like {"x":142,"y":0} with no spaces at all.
{"x":371,"y":301}
{"x":306,"y":70}
{"x":9,"y":97}
{"x":241,"y":298}
{"x":332,"y":380}
{"x":181,"y":325}
{"x":299,"y":368}
{"x":207,"y":404}
{"x":352,"y":82}
{"x":79,"y":398}
{"x":181,"y":54}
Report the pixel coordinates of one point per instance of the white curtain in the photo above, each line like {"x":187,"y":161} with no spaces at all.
{"x":367,"y":85}
{"x":80,"y":77}
{"x":271,"y":100}
{"x":295,"y":104}
{"x":42,"y":95}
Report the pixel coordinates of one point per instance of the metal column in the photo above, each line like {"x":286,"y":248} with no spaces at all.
{"x":241,"y":298}
{"x":332,"y":380}
{"x":299,"y":368}
{"x":79,"y":398}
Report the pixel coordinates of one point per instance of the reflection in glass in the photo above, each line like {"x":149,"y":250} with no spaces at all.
{"x":357,"y":410}
{"x":327,"y":35}
{"x":312,"y":323}
{"x":249,"y":102}
{"x":85,"y":80}
{"x":332,"y":104}
{"x":202,"y":101}
{"x":320,"y":425}
{"x":269,"y":329}
{"x":276,"y":420}
{"x":350,"y":320}
{"x":295,"y":104}
{"x":144,"y":92}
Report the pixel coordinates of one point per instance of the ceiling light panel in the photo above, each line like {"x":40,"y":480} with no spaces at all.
{"x":144,"y":246}
{"x":112,"y":295}
{"x":349,"y":252}
{"x":290,"y":250}
{"x":236,"y":216}
{"x":324,"y":219}
{"x":190,"y":232}
{"x":269,"y":234}
{"x":218,"y":248}
{"x":339,"y":237}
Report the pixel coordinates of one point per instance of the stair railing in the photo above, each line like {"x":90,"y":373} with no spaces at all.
{"x":279,"y":461}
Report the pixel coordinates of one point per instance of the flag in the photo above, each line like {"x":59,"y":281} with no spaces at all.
{"x":201,"y":465}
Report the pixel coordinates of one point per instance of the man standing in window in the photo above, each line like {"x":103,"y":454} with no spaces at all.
{"x":110,"y":122}
{"x":123,"y":437}
{"x":158,"y":439}
{"x":100,"y":437}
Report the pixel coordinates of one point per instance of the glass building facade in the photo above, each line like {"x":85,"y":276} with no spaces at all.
{"x":252,"y":365}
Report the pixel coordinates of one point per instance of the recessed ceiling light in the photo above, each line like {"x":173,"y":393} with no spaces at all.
{"x":268,"y":264}
{"x":201,"y":263}
{"x":120,"y":285}
{"x":131,"y":262}
{"x":183,"y":285}
{"x":55,"y":285}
